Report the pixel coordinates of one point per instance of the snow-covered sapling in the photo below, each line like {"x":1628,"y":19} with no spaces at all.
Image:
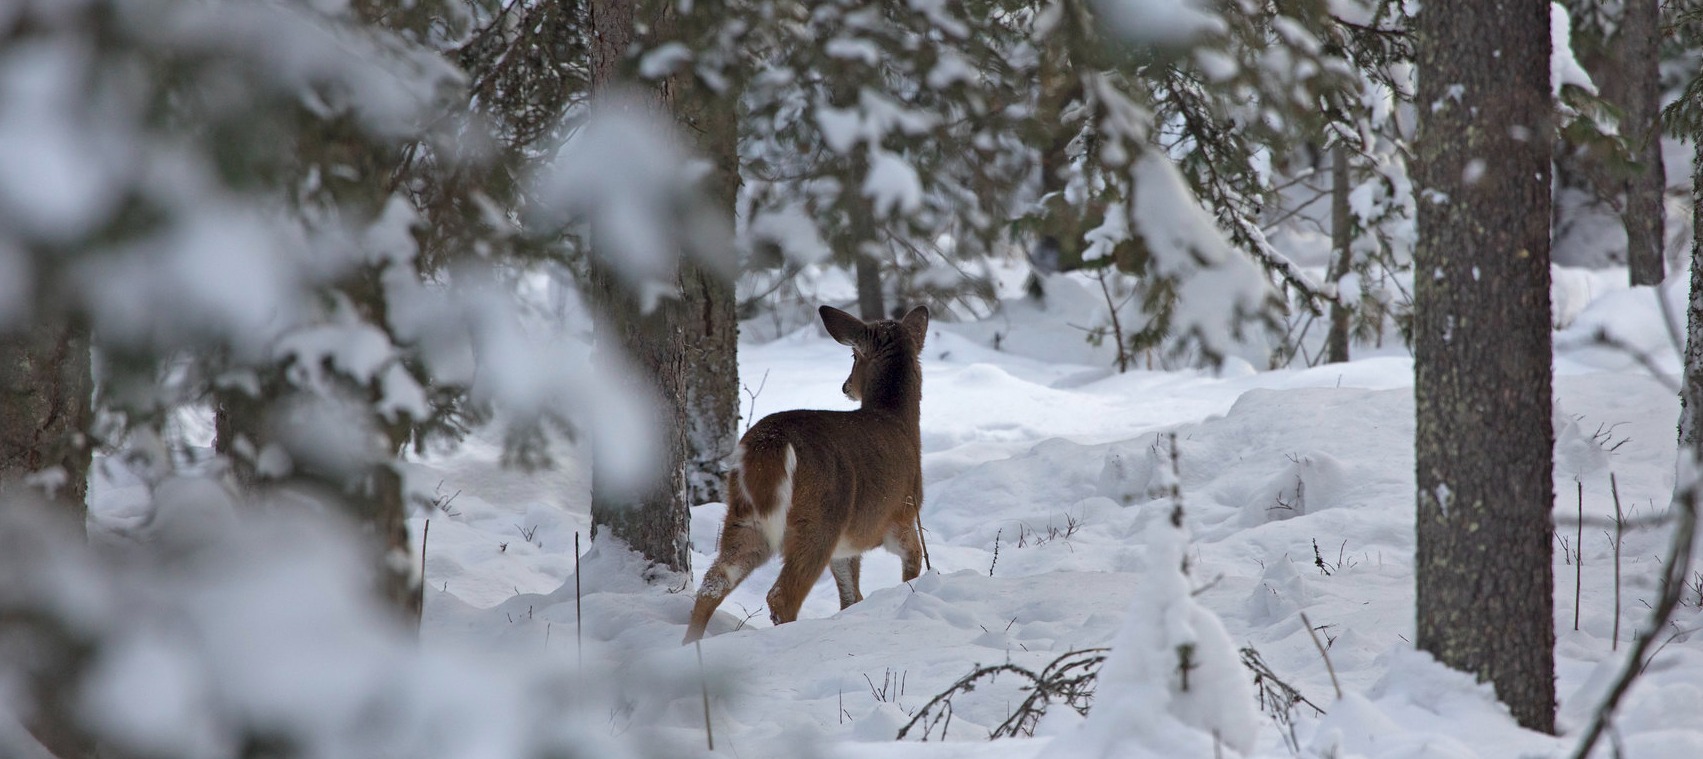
{"x":822,"y":487}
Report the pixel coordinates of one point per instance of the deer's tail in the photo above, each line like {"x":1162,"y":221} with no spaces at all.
{"x":762,"y":492}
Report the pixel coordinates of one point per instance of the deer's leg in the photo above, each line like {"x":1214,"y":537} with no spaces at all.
{"x":846,"y":572}
{"x":742,"y":549}
{"x":805,"y":556}
{"x":902,"y":540}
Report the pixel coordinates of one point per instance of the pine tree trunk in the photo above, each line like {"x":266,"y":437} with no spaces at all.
{"x":712,"y":384}
{"x":1484,"y":436}
{"x":1640,"y":37}
{"x":1060,"y":246}
{"x":46,"y":391}
{"x":712,"y":387}
{"x":869,"y":298}
{"x":652,"y":520}
{"x":1691,"y":392}
{"x":1341,"y":230}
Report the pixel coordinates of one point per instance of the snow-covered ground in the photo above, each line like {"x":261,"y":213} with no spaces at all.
{"x":1042,"y":517}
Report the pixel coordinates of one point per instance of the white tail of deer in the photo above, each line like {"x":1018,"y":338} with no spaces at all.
{"x":822,"y":487}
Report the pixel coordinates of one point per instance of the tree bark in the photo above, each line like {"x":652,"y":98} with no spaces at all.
{"x":712,"y":387}
{"x":870,"y":304}
{"x":652,"y":520}
{"x":1640,"y":38}
{"x":712,"y":342}
{"x":46,"y":390}
{"x":1691,"y":392}
{"x":1484,"y":437}
{"x":1341,"y":231}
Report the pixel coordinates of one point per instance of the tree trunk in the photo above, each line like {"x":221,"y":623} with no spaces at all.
{"x":1691,"y":393}
{"x":712,"y":384}
{"x":1640,"y":38}
{"x":652,"y":520}
{"x":712,"y":387}
{"x":1341,"y":231}
{"x":1484,"y":437}
{"x":46,"y":388}
{"x":45,"y":408}
{"x":869,"y":297}
{"x":1060,"y":244}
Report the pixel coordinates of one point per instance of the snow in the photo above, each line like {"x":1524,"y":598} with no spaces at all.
{"x":1161,"y":23}
{"x":1048,"y":515}
{"x":892,"y":186}
{"x":950,"y":69}
{"x":1298,"y":494}
{"x":1564,"y":69}
{"x":219,"y":628}
{"x":53,"y":179}
{"x":1218,"y":286}
{"x":627,"y":170}
{"x":664,"y":60}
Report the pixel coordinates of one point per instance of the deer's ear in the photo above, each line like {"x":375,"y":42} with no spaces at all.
{"x":916,"y":323}
{"x":843,"y":327}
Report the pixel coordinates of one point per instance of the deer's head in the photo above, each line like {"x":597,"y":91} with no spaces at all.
{"x":884,"y":353}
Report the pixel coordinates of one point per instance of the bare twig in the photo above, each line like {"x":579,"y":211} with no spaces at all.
{"x":425,"y":534}
{"x":1629,"y":521}
{"x":1579,"y":556}
{"x":1644,"y":358}
{"x":1117,"y":325}
{"x":1619,"y":531}
{"x":579,"y":619}
{"x":1069,"y":679}
{"x":1673,"y":584}
{"x":922,"y":539}
{"x":1326,"y":655}
{"x":704,"y":684}
{"x":752,"y":413}
{"x":1277,"y":697}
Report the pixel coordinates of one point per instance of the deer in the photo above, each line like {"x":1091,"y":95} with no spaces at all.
{"x":821,"y":488}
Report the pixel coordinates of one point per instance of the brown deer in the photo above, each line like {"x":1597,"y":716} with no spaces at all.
{"x":822,"y":487}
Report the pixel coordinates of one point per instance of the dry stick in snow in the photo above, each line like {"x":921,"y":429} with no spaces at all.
{"x":1117,"y":328}
{"x":1316,"y":644}
{"x":424,"y":534}
{"x":579,"y":623}
{"x":1578,"y":555}
{"x":923,"y":539}
{"x":1619,"y":530}
{"x":1673,"y":584}
{"x":704,"y":683}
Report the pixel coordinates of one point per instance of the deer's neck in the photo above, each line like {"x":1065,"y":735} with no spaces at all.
{"x":897,"y":390}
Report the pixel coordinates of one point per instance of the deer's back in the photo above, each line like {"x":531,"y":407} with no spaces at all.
{"x":859,"y":465}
